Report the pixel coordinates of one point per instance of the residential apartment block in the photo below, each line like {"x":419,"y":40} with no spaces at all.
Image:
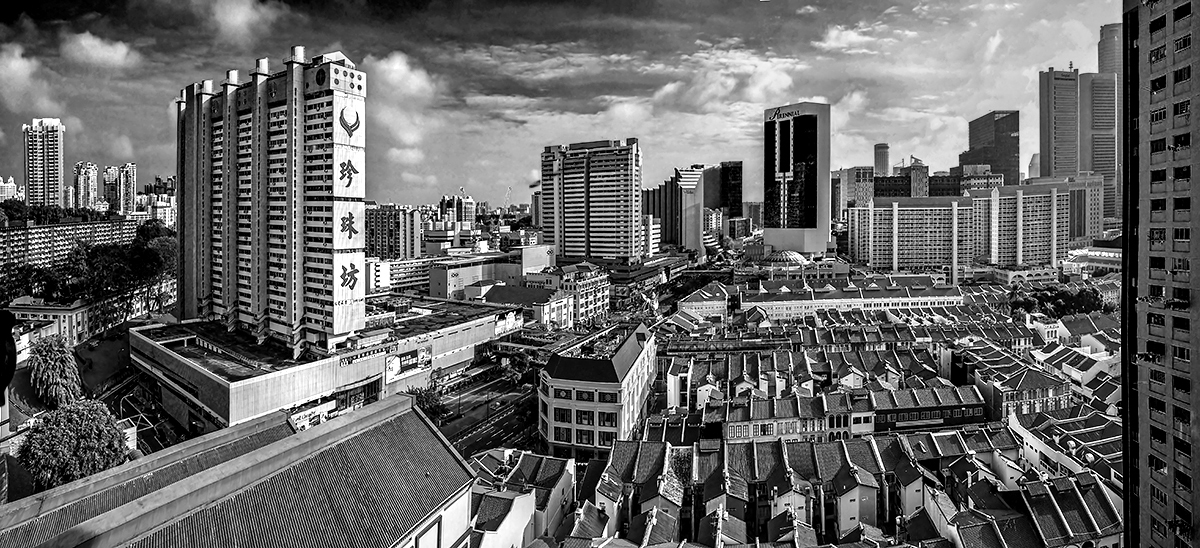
{"x":393,"y":232}
{"x":914,"y":234}
{"x":591,"y":199}
{"x":271,"y":182}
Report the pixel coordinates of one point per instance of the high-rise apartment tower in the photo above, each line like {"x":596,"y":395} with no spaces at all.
{"x":271,"y":178}
{"x":592,"y":199}
{"x":44,"y":162}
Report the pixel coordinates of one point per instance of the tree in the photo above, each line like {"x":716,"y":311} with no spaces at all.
{"x":70,"y":443}
{"x":55,"y":375}
{"x":429,"y":400}
{"x":150,"y":230}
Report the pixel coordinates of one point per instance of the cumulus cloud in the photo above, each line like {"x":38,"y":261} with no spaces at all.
{"x":120,"y":147}
{"x":22,"y":88}
{"x":91,"y":50}
{"x":402,"y":95}
{"x":807,"y":10}
{"x":414,"y":179}
{"x":847,"y":39}
{"x":406,"y":156}
{"x":989,"y":51}
{"x":240,"y":22}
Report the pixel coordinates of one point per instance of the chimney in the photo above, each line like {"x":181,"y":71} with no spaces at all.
{"x":298,"y":54}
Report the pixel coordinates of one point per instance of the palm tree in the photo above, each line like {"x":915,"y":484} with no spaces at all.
{"x":55,"y":375}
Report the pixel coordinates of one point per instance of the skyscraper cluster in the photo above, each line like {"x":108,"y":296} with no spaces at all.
{"x":1078,"y":119}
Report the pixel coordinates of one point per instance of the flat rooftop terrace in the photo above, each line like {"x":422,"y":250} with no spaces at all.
{"x":241,"y":357}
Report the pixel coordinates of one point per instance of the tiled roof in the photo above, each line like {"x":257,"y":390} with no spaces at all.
{"x":390,"y":477}
{"x":492,"y":509}
{"x":592,"y":369}
{"x":131,"y":481}
{"x":653,"y":527}
{"x":589,"y":523}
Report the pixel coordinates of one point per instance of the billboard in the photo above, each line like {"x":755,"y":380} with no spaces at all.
{"x":399,"y":364}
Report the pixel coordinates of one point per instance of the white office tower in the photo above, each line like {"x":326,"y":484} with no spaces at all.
{"x":270,"y":196}
{"x":592,"y":200}
{"x":796,"y":191}
{"x":44,"y":161}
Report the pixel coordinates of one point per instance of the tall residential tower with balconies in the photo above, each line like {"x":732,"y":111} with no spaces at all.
{"x":1160,"y":403}
{"x":271,"y":184}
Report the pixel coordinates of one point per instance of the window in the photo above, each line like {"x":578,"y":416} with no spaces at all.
{"x":1183,"y":74}
{"x":1158,"y":84}
{"x":1181,"y":384}
{"x":1157,"y":465}
{"x":1183,"y":172}
{"x":1158,"y":263}
{"x":1158,"y":24}
{"x":1179,"y":264}
{"x":1182,"y":141}
{"x":1183,"y":42}
{"x":562,"y":415}
{"x":545,"y":408}
{"x":1158,"y":115}
{"x":1158,"y":435}
{"x":586,"y":418}
{"x":1181,"y":353}
{"x":1182,"y":107}
{"x":584,"y":437}
{"x":1158,"y":54}
{"x":562,"y":394}
{"x":1157,"y":494}
{"x":1157,"y":291}
{"x":607,"y":419}
{"x":1158,"y":145}
{"x":1158,"y":175}
{"x":1155,"y":319}
{"x":1158,"y":527}
{"x":1183,"y":10}
{"x":1158,"y":234}
{"x":1182,"y":202}
{"x":608,"y":397}
{"x":606,"y":438}
{"x":1183,"y":234}
{"x":1181,"y":293}
{"x":562,"y":434}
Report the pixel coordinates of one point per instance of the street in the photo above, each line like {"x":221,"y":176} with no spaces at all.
{"x":504,"y":429}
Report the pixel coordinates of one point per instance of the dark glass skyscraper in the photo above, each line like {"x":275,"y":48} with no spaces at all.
{"x":995,"y":139}
{"x":796,"y":191}
{"x":731,"y":189}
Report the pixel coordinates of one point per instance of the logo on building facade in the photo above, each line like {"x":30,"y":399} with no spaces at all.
{"x":348,"y":225}
{"x":348,"y":172}
{"x":349,"y":276}
{"x":350,"y":128}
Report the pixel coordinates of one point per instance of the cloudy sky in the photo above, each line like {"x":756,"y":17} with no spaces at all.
{"x":467,"y":92}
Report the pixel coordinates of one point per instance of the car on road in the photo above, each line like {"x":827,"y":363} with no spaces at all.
{"x":496,"y":405}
